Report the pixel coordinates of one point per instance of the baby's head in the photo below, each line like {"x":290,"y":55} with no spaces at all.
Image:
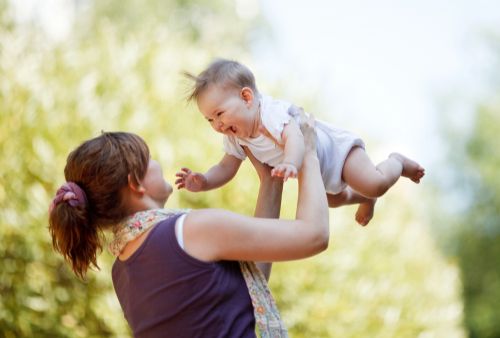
{"x":227,"y":96}
{"x":224,"y":73}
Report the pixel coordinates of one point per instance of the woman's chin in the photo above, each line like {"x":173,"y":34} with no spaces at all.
{"x":170,"y":190}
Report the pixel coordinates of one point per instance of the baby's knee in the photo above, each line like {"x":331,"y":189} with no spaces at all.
{"x":377,"y":189}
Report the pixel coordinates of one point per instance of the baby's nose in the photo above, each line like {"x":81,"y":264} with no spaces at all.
{"x":220,"y":126}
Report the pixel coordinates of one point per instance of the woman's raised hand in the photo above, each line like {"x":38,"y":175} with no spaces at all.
{"x":306,"y":123}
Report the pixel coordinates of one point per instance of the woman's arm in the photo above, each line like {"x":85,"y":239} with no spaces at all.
{"x":212,"y":235}
{"x":268,"y":201}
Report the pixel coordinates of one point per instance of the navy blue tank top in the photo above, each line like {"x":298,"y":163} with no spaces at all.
{"x":164,"y":292}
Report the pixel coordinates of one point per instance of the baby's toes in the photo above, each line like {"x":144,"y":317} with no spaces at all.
{"x":362,"y":220}
{"x":418,"y":176}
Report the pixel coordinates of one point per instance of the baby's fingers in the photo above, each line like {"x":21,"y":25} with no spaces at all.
{"x":183,"y":173}
{"x":292,"y":173}
{"x":277,"y":172}
{"x":289,"y":173}
{"x":180,"y":184}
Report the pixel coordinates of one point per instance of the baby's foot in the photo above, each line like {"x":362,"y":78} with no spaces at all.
{"x":411,"y":169}
{"x":365,"y":211}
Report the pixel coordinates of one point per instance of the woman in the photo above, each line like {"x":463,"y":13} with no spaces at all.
{"x":177,"y":272}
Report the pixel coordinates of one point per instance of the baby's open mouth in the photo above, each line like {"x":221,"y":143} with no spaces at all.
{"x":233,"y":130}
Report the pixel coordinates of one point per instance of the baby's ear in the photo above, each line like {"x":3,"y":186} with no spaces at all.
{"x":247,"y":95}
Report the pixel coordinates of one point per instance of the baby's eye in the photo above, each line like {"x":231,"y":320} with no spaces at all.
{"x":210,"y":120}
{"x":220,"y":113}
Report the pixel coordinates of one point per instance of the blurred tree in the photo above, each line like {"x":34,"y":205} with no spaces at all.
{"x":474,"y":237}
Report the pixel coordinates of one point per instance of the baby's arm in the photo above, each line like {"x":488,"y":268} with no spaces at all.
{"x":294,"y":152}
{"x":215,"y":177}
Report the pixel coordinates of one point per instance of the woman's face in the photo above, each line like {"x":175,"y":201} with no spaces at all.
{"x":156,"y":187}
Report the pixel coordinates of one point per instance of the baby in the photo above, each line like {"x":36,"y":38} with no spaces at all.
{"x":227,"y":96}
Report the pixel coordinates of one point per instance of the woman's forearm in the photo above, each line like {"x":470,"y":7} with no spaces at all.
{"x":312,"y":204}
{"x":268,"y":206}
{"x":269,"y":198}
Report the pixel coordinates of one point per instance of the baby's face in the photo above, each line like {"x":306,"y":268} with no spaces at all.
{"x":228,"y":111}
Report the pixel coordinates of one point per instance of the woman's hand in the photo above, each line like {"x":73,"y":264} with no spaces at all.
{"x":307,"y":129}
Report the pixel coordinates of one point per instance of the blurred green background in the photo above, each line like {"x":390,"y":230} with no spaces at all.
{"x":427,"y":265}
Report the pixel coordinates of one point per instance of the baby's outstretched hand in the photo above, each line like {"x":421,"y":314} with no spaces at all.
{"x":285,"y":171}
{"x":192,"y":181}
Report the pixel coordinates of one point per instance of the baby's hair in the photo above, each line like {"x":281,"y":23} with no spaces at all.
{"x":227,"y":73}
{"x":100,"y":167}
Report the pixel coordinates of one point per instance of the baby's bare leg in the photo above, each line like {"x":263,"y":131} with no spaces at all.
{"x":369,"y":180}
{"x":365,"y":211}
{"x":345,"y":197}
{"x":349,"y":196}
{"x":372,"y":181}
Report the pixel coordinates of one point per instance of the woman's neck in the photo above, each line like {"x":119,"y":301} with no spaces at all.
{"x":134,"y":202}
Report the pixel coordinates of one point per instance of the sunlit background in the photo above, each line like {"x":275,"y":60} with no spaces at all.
{"x":420,"y":78}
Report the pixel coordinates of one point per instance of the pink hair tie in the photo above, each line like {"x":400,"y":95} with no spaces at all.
{"x":69,"y":192}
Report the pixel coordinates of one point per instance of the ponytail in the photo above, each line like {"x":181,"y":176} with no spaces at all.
{"x":73,"y":234}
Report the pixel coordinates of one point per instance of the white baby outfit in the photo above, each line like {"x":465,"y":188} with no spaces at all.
{"x":333,"y":144}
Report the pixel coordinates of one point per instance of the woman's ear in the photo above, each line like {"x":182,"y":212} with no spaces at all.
{"x":134,"y":185}
{"x":247,"y":95}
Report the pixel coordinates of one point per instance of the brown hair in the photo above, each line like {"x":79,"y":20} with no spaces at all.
{"x":227,"y":73}
{"x":100,"y":167}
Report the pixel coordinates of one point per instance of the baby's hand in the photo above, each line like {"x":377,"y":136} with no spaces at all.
{"x":285,"y":171}
{"x":193,"y":182}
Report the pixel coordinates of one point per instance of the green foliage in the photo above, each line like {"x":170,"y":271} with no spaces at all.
{"x":476,"y":230}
